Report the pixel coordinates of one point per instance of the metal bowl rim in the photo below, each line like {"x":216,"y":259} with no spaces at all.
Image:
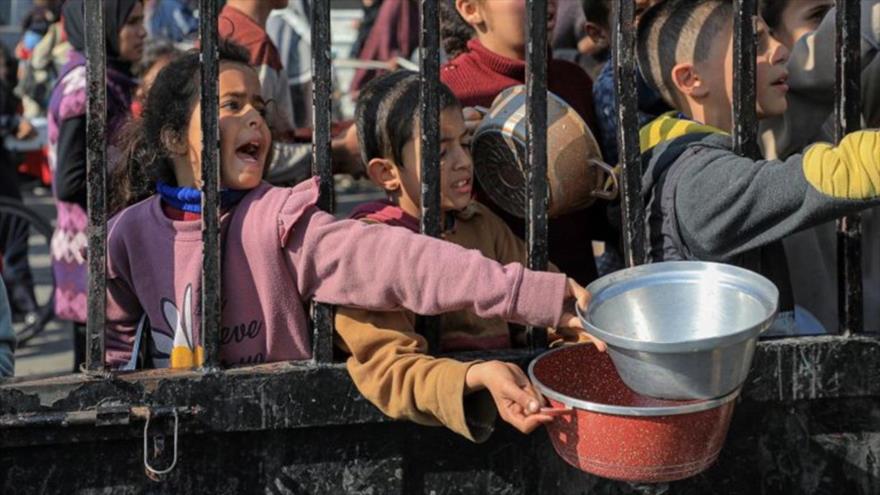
{"x":691,"y":407}
{"x":764,"y":289}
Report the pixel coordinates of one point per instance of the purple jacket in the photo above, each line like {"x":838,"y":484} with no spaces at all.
{"x":69,"y":243}
{"x":281,"y":252}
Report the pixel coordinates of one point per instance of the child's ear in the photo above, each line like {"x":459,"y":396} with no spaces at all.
{"x":688,"y":81}
{"x":597,"y":33}
{"x":174,"y":142}
{"x":469,"y":11}
{"x":384,"y":173}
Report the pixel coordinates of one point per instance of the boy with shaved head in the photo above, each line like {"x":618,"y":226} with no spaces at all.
{"x":705,"y":202}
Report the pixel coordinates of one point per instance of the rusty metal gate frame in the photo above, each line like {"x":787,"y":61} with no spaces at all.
{"x":211,"y":398}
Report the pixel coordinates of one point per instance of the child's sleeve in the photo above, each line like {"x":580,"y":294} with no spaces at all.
{"x":389,"y":366}
{"x":726,"y":205}
{"x":378,"y":267}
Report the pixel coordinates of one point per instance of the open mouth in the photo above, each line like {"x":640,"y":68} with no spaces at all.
{"x":249,"y":152}
{"x":462,"y":186}
{"x":781,"y":82}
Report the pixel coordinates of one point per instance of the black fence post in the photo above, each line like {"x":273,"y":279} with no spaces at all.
{"x":537,"y":193}
{"x":745,"y":115}
{"x":96,"y":165}
{"x":635,"y":248}
{"x":212,"y":283}
{"x":429,"y":124}
{"x":847,"y":112}
{"x":322,"y":314}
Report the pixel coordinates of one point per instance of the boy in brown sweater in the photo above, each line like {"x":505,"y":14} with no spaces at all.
{"x":387,"y":357}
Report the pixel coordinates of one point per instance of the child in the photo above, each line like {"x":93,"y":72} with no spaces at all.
{"x":279,"y":250}
{"x":808,"y":28}
{"x":244,"y":22}
{"x":702,"y":200}
{"x":493,"y":59}
{"x":387,"y":357}
{"x":651,"y":105}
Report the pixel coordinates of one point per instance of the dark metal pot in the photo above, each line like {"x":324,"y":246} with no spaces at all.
{"x":576,"y":174}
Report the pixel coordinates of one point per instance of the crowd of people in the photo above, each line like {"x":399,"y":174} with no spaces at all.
{"x":280,"y":252}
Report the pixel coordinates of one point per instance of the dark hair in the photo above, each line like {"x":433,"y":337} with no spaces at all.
{"x":597,"y":11}
{"x":678,"y":31}
{"x":454,"y":31}
{"x":167,"y":110}
{"x":771,"y":11}
{"x":387,"y":114}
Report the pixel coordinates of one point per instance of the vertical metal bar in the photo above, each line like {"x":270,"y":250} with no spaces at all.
{"x":635,"y":249}
{"x":429,"y":125}
{"x":745,"y":114}
{"x":322,"y":315}
{"x":96,"y":127}
{"x":537,"y":192}
{"x":847,"y":112}
{"x":211,"y":255}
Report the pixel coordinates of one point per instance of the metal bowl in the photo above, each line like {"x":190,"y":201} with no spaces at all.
{"x":681,"y":329}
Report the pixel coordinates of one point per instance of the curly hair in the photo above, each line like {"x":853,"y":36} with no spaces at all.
{"x":454,"y":32}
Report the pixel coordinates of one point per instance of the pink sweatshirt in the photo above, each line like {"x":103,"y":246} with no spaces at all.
{"x":280,"y":252}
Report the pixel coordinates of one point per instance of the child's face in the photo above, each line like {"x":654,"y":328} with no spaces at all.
{"x":456,"y":167}
{"x":132,"y":35}
{"x":800,"y":17}
{"x":502,"y":24}
{"x":770,"y":77}
{"x":244,"y":136}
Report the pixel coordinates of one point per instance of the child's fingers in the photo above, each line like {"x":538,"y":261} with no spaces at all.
{"x":523,"y":398}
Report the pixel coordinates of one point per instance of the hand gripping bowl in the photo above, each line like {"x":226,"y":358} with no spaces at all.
{"x":604,"y":428}
{"x":576,"y":174}
{"x":681,"y":329}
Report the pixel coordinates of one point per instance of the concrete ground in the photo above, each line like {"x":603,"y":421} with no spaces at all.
{"x":51,"y":352}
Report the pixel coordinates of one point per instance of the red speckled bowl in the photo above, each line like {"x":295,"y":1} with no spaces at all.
{"x":614,"y":432}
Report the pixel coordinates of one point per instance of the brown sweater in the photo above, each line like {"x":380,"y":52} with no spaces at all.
{"x":387,"y":358}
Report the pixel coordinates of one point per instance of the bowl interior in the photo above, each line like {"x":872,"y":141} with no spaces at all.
{"x":676,"y":307}
{"x":583,"y":373}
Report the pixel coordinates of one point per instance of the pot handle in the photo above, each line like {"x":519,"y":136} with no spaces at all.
{"x":611,"y":186}
{"x":556,"y":411}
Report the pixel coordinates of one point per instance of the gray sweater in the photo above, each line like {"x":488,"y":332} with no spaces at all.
{"x":705,"y":202}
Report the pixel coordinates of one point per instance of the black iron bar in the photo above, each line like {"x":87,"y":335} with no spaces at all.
{"x":635,"y":250}
{"x":537,"y":194}
{"x":96,"y":130}
{"x":745,"y":115}
{"x":429,"y":126}
{"x":212,"y":284}
{"x":322,"y":314}
{"x":847,"y":111}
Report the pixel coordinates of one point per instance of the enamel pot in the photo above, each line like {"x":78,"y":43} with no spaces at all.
{"x":604,"y":428}
{"x":576,"y":174}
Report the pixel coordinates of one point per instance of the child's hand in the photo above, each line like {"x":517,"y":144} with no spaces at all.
{"x":517,"y":401}
{"x":570,"y":320}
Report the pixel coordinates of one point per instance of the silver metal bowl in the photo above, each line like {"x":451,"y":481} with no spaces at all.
{"x":681,"y":329}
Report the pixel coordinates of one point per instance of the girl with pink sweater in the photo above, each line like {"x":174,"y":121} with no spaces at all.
{"x":279,"y":250}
